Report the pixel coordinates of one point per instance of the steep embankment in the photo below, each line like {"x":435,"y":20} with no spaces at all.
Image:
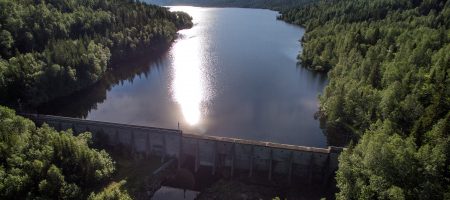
{"x":389,"y":70}
{"x":53,"y":48}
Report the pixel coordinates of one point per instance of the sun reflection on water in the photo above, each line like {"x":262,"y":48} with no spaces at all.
{"x":187,"y":83}
{"x":188,"y":86}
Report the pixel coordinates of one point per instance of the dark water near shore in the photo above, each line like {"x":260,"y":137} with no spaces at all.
{"x":166,"y":192}
{"x":233,"y":74}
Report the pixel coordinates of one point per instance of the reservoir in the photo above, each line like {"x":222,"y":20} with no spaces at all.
{"x":234,"y":74}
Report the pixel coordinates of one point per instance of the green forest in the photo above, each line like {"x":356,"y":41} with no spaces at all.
{"x":267,"y":4}
{"x":52,"y":48}
{"x":388,"y":63}
{"x":41,"y":163}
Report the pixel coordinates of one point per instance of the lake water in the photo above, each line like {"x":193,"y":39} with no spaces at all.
{"x":166,"y":192}
{"x":233,"y":74}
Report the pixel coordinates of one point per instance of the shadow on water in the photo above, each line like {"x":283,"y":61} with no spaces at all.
{"x":80,"y":103}
{"x":336,"y":135}
{"x":167,"y":192}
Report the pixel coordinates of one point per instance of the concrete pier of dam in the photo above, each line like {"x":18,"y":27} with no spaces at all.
{"x":315,"y":165}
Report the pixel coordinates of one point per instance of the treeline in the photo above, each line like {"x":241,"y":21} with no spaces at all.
{"x":52,"y":48}
{"x":267,"y":4}
{"x":41,"y":163}
{"x":389,"y":71}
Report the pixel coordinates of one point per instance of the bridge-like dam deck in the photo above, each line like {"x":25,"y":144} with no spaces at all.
{"x":308,"y":163}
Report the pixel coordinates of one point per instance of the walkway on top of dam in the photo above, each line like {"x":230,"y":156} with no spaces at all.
{"x":313,"y":165}
{"x":39,"y":118}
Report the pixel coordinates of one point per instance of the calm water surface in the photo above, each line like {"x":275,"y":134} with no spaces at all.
{"x":233,"y":74}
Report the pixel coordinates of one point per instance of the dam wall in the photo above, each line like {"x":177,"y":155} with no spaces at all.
{"x":271,"y":159}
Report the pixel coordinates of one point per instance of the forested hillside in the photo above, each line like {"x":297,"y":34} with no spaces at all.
{"x":41,"y":163}
{"x":389,"y":72}
{"x":268,"y":4}
{"x":52,"y":48}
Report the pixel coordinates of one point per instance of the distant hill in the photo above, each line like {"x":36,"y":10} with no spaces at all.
{"x":269,"y":4}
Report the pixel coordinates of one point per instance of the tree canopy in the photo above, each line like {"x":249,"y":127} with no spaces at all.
{"x":267,"y":4}
{"x":385,"y":165}
{"x":388,"y":63}
{"x":41,"y":163}
{"x":52,"y":48}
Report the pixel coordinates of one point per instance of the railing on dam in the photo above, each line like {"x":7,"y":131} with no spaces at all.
{"x":307,"y":163}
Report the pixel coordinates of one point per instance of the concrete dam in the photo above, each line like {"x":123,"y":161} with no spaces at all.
{"x":314,"y":165}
